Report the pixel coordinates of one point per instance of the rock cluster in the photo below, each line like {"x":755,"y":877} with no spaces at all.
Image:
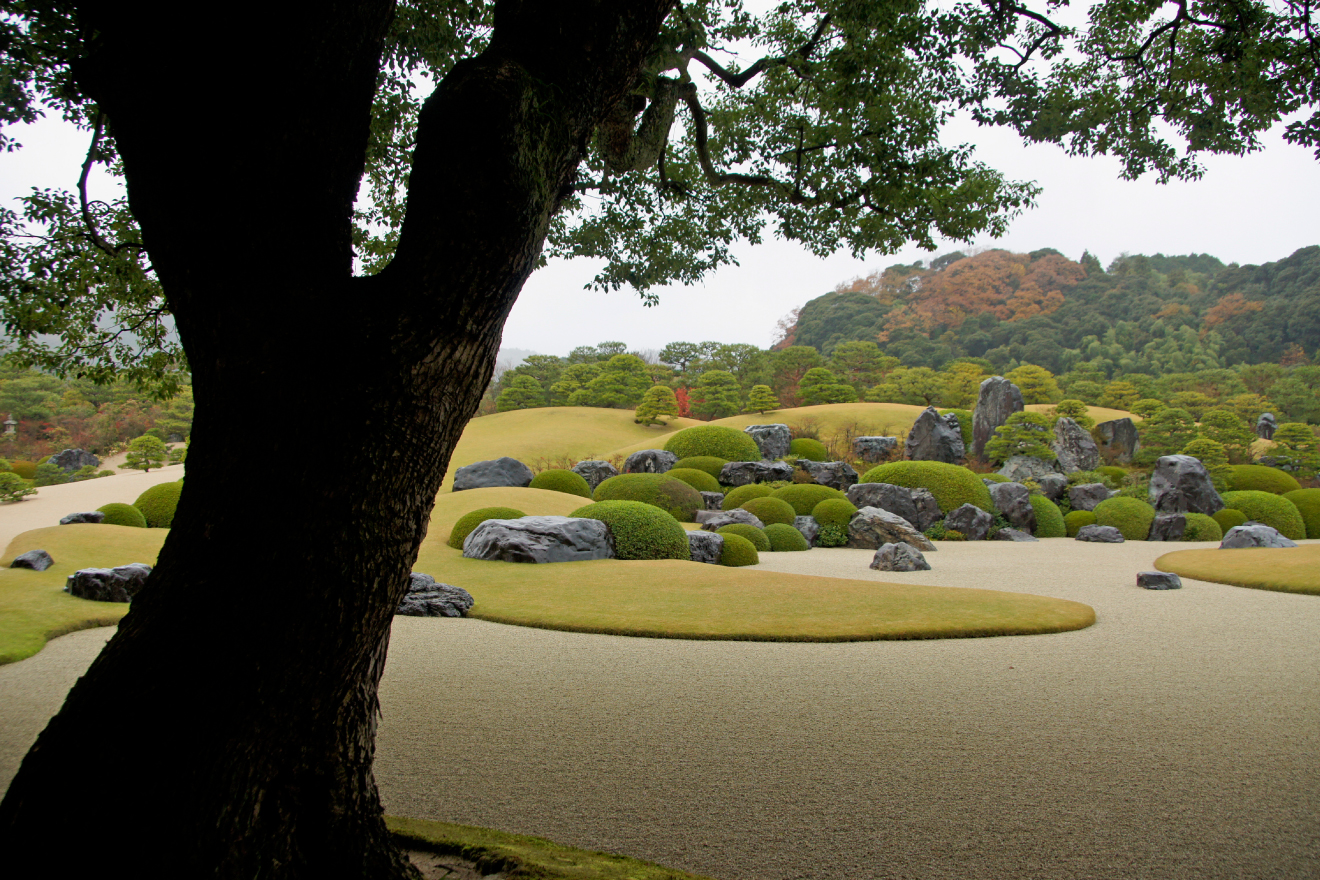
{"x":118,"y":584}
{"x":871,"y":527}
{"x":772,"y":440}
{"x":427,"y":598}
{"x":497,"y":472}
{"x":917,"y":506}
{"x":998,"y":399}
{"x":540,"y":539}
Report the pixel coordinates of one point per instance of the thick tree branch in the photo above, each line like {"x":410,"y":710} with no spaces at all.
{"x":738,"y":80}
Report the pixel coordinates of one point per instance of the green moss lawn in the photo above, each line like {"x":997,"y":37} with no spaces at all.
{"x":1285,"y":570}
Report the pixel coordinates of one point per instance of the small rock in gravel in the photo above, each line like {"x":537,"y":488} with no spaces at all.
{"x":1158,"y":580}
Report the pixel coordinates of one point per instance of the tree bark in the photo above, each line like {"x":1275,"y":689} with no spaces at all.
{"x":239,"y":694}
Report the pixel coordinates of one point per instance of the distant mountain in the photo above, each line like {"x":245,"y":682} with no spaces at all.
{"x":508,"y":358}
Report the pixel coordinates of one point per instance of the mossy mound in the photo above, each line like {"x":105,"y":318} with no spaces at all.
{"x":707,"y":463}
{"x":1259,"y":478}
{"x":469,"y":521}
{"x":803,"y":497}
{"x":740,"y":495}
{"x":1131,"y":516}
{"x":952,"y":486}
{"x":738,"y":551}
{"x":1201,"y":527}
{"x":1270,"y":509}
{"x":1049,"y":519}
{"x":811,"y":450}
{"x":785,"y":539}
{"x":117,"y":514}
{"x":834,"y":512}
{"x":756,"y":536}
{"x":1075,"y":520}
{"x":675,"y":497}
{"x":641,"y":531}
{"x":25,"y":469}
{"x":1228,"y":518}
{"x":770,"y":510}
{"x":157,"y":504}
{"x":1307,"y":502}
{"x":994,"y":478}
{"x":1113,"y":472}
{"x":560,"y":480}
{"x":697,"y":479}
{"x":713,"y":440}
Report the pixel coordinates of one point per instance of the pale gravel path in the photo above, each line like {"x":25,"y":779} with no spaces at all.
{"x":1178,"y":737}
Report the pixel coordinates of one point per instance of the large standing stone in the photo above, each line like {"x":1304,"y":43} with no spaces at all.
{"x":1158,"y":580}
{"x":1167,"y":527}
{"x":1100,"y":534}
{"x":999,"y":399}
{"x":743,"y":473}
{"x":595,"y":472}
{"x":89,"y":516}
{"x":1025,"y":467}
{"x":874,"y":448}
{"x":1014,"y":535}
{"x":71,"y":459}
{"x":1121,"y":436}
{"x":772,"y":440}
{"x":1266,"y":425}
{"x":1013,"y":500}
{"x":1087,"y":495}
{"x":835,"y":474}
{"x":1074,"y":447}
{"x":808,"y":526}
{"x":118,"y":584}
{"x":870,"y":527}
{"x":969,"y":520}
{"x":427,"y":598}
{"x":706,"y":547}
{"x":714,"y":520}
{"x":540,"y":539}
{"x":1254,"y":534}
{"x":932,"y":438}
{"x":494,"y":473}
{"x":649,"y":461}
{"x":899,"y":557}
{"x":1052,"y":486}
{"x":37,"y":560}
{"x":712,"y":500}
{"x":1181,"y":484}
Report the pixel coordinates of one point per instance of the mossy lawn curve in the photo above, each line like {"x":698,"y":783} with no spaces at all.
{"x":1281,"y":570}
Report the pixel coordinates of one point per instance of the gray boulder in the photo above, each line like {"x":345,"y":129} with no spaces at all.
{"x":540,"y":539}
{"x":928,"y":509}
{"x":1158,"y":580}
{"x":932,"y":438}
{"x":1100,"y":534}
{"x":875,"y":448}
{"x":1167,"y":527}
{"x":1121,"y":436}
{"x":809,"y":528}
{"x":426,"y":598}
{"x":917,"y":506}
{"x":1074,"y":447}
{"x":1087,"y":495}
{"x":899,"y":557}
{"x":1052,"y":486}
{"x":118,"y":584}
{"x":491,"y":474}
{"x":649,"y":461}
{"x":1013,"y":500}
{"x":871,"y":527}
{"x":1181,"y":484}
{"x":772,"y":440}
{"x":835,"y":474}
{"x":706,"y":547}
{"x":37,"y":560}
{"x":71,"y":459}
{"x":744,"y":473}
{"x":714,"y":520}
{"x":1024,"y":467}
{"x":1254,"y":534}
{"x":712,"y":500}
{"x":1266,"y":426}
{"x":89,"y":516}
{"x":1013,"y":535}
{"x":998,"y":399}
{"x":973,"y":522}
{"x":595,"y":472}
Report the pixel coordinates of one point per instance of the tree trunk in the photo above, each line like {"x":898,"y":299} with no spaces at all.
{"x":228,"y":727}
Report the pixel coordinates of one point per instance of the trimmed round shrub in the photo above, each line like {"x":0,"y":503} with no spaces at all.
{"x":675,"y":497}
{"x":1273,"y":510}
{"x":25,"y":469}
{"x":785,"y":538}
{"x":157,"y":504}
{"x":1131,"y":516}
{"x":740,"y":495}
{"x":1113,"y":472}
{"x":758,"y":538}
{"x":994,"y":478}
{"x":713,"y":440}
{"x":1258,"y":478}
{"x":834,"y":512}
{"x":770,"y":510}
{"x":1228,"y":518}
{"x":738,"y":551}
{"x":805,"y":447}
{"x":952,"y":486}
{"x":560,"y":480}
{"x":1049,"y":519}
{"x":1202,"y":528}
{"x":803,"y":497}
{"x":469,"y":521}
{"x":699,"y":480}
{"x":1307,"y":502}
{"x":117,"y":514}
{"x":1075,"y":520}
{"x":641,"y":531}
{"x":707,"y":463}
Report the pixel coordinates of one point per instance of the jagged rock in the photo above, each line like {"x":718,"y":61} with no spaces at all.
{"x":899,"y":557}
{"x":89,"y":516}
{"x":1100,"y":534}
{"x":743,"y":473}
{"x":1024,"y":467}
{"x":772,"y":440}
{"x":595,"y":472}
{"x":1052,"y":486}
{"x":37,"y":560}
{"x":928,"y":509}
{"x":426,"y":598}
{"x":494,"y":473}
{"x":932,"y":438}
{"x":917,"y":506}
{"x":875,"y":448}
{"x":713,"y":520}
{"x":1074,"y":447}
{"x":712,"y":500}
{"x":1181,"y":484}
{"x":1013,"y":500}
{"x":871,"y":527}
{"x":998,"y":399}
{"x":1266,"y":426}
{"x":706,"y":547}
{"x":1167,"y":527}
{"x":1013,"y":535}
{"x":118,"y":584}
{"x":1087,"y":495}
{"x":540,"y":539}
{"x":973,"y":522}
{"x":1121,"y":436}
{"x":835,"y":474}
{"x":809,"y":528}
{"x":1254,"y":534}
{"x":649,"y":461}
{"x":1158,"y":580}
{"x":71,"y":459}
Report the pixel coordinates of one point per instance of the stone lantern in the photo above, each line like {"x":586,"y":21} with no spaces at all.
{"x":10,"y":425}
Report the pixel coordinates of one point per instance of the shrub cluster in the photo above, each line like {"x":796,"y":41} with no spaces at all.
{"x":738,"y":551}
{"x":706,"y":463}
{"x":117,"y":514}
{"x":25,"y":469}
{"x":1049,"y":519}
{"x":832,"y":536}
{"x":1270,"y":509}
{"x":784,"y":538}
{"x":1259,"y":478}
{"x":803,"y":497}
{"x":770,"y":510}
{"x":157,"y":504}
{"x":811,"y":450}
{"x":1131,"y":516}
{"x":641,"y":531}
{"x":1202,"y":528}
{"x":675,"y":497}
{"x":1307,"y":502}
{"x":469,"y":521}
{"x":952,"y":486}
{"x":713,"y":440}
{"x":740,"y":495}
{"x":834,"y":512}
{"x":1116,"y":474}
{"x":560,"y":480}
{"x":1075,"y":521}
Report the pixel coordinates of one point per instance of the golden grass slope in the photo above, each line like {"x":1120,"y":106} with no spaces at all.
{"x":1284,"y":570}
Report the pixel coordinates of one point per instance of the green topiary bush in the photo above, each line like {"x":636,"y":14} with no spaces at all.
{"x":157,"y":504}
{"x":25,"y":469}
{"x":713,"y":440}
{"x":834,"y":512}
{"x":803,"y":497}
{"x":1259,"y":478}
{"x":738,"y":551}
{"x":740,"y":495}
{"x":805,"y":447}
{"x":1307,"y":502}
{"x":1270,"y":509}
{"x":1075,"y":521}
{"x":770,"y":510}
{"x":1228,"y":518}
{"x":785,"y":538}
{"x":675,"y":497}
{"x":952,"y":486}
{"x":707,"y":463}
{"x":641,"y":531}
{"x":699,"y":480}
{"x":758,"y":538}
{"x":1049,"y":519}
{"x":560,"y":480}
{"x":1131,"y":516}
{"x":1202,"y":528}
{"x":117,"y":514}
{"x":469,"y":521}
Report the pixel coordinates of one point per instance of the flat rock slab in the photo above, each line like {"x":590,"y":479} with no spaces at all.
{"x":772,"y":440}
{"x":1158,"y":580}
{"x":744,"y":473}
{"x":37,"y":560}
{"x":1254,"y":534}
{"x":899,"y":557}
{"x":495,"y":473}
{"x":1100,"y":534}
{"x":427,"y":598}
{"x":540,"y":539}
{"x":1014,"y":535}
{"x":118,"y":584}
{"x":706,"y":547}
{"x":871,"y":528}
{"x":88,"y":516}
{"x":714,"y":520}
{"x":649,"y":461}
